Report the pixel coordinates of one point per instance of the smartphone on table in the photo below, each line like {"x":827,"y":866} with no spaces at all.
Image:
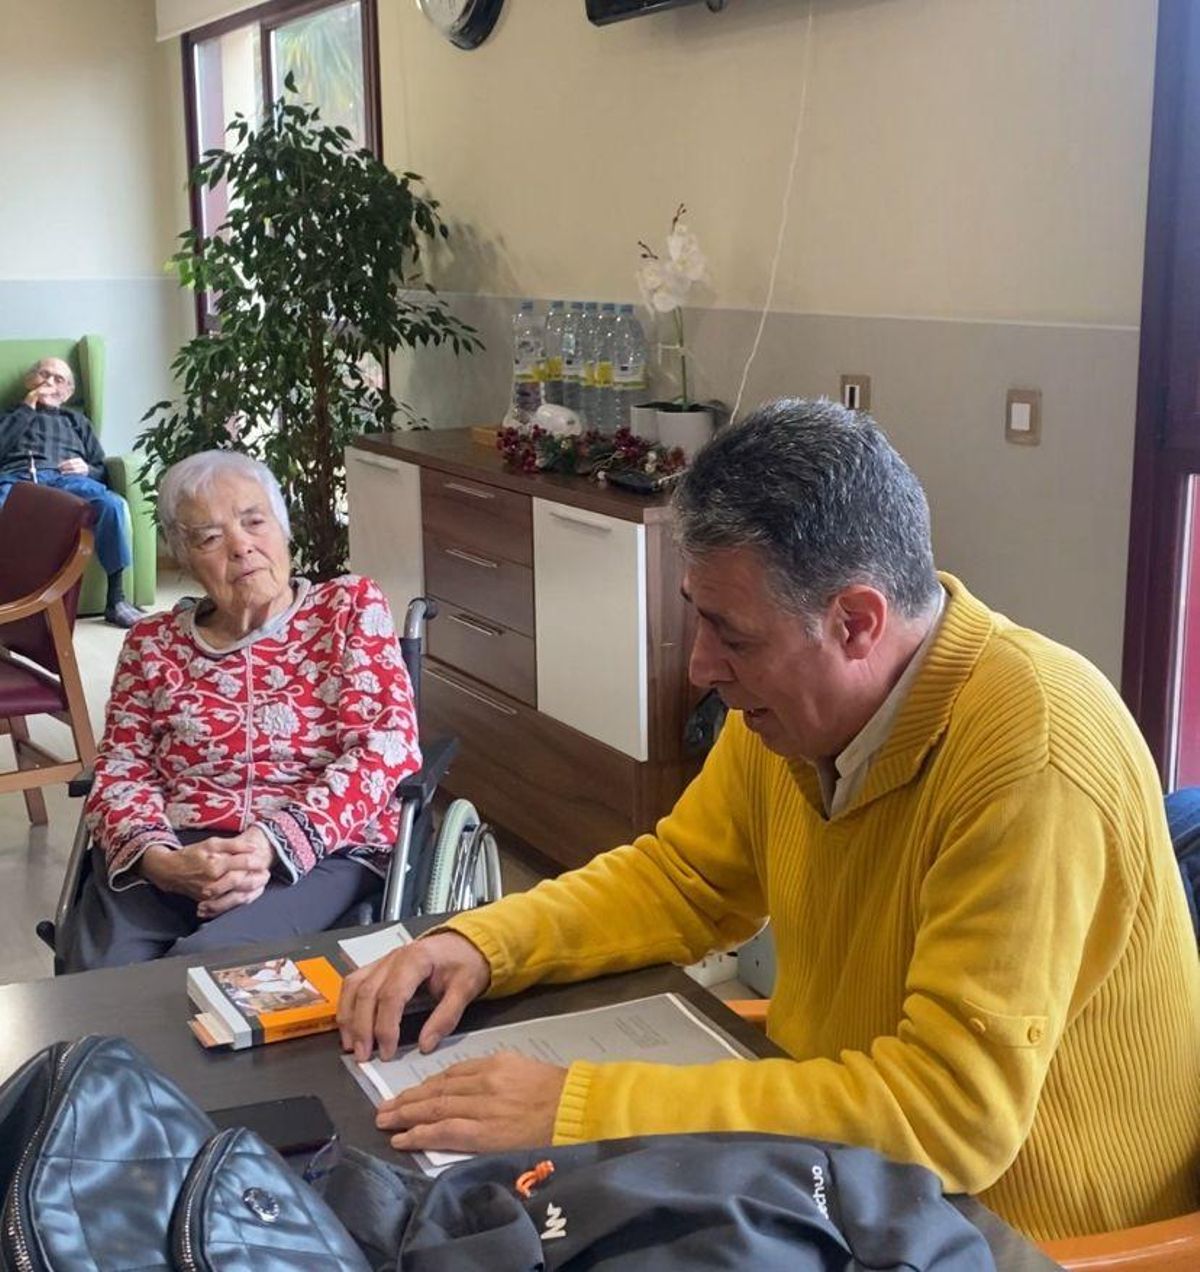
{"x":294,"y":1124}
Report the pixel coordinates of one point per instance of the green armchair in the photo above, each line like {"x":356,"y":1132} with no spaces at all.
{"x":86,"y":359}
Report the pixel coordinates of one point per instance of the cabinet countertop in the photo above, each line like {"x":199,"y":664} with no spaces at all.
{"x":453,"y":450}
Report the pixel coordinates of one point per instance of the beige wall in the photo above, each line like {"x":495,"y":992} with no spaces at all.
{"x":90,"y":105}
{"x":91,"y":145}
{"x":177,"y":16}
{"x":978,"y":163}
{"x":961,"y":158}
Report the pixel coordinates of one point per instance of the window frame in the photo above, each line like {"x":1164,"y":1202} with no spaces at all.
{"x":269,"y":16}
{"x":1167,"y":432}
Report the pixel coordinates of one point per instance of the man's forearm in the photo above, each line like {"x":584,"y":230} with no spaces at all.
{"x":670,"y":897}
{"x":623,"y":910}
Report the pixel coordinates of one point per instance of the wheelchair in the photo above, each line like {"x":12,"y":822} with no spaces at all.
{"x":432,"y":871}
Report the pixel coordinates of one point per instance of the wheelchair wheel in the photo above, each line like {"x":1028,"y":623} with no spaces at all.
{"x":466,"y":863}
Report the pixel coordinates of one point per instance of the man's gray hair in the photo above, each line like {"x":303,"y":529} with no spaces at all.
{"x":50,"y":357}
{"x":822,"y":495}
{"x":198,"y":472}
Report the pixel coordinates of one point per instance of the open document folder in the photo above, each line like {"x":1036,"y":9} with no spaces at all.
{"x":661,"y":1029}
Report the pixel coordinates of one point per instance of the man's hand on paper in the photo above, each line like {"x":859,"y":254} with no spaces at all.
{"x":374,"y":997}
{"x":479,"y":1106}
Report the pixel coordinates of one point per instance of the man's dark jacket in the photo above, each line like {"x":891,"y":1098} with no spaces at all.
{"x":48,"y":435}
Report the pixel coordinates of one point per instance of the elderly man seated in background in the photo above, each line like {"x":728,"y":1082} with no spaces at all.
{"x":253,"y":742}
{"x":43,"y":440}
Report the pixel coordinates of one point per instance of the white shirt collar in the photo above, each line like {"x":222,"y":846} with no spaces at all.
{"x":842,"y":777}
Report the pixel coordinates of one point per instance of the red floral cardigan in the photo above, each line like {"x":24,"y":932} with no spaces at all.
{"x":304,"y":729}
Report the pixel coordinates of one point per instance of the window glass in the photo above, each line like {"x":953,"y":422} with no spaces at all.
{"x":228,"y":73}
{"x":240,"y":68}
{"x":324,"y":52}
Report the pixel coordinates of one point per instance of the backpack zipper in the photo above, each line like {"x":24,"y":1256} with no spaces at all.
{"x":14,"y":1226}
{"x":197,"y":1177}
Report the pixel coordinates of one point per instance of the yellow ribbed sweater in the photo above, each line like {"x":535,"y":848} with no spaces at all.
{"x":985,"y":964}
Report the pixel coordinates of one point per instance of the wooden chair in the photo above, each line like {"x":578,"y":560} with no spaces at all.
{"x":1170,"y":1246}
{"x":45,"y":543}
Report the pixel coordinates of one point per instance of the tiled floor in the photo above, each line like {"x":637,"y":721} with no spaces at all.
{"x":32,"y":859}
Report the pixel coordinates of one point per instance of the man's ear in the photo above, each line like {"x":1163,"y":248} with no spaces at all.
{"x":860,"y":614}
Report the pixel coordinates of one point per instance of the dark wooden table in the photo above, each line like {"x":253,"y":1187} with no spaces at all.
{"x":148,"y":1005}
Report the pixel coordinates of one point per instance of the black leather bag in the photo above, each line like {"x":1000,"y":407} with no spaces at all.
{"x":105,"y":1163}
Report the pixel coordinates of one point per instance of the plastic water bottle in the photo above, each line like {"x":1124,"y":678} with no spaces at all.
{"x":629,"y":365}
{"x":528,"y":365}
{"x":552,"y":339}
{"x":572,"y":360}
{"x":605,"y":395}
{"x":588,"y":333}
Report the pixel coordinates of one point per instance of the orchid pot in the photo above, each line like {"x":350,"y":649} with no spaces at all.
{"x":643,"y":419}
{"x":686,"y":425}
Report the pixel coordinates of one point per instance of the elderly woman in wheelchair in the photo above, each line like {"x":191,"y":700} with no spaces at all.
{"x":254,"y":740}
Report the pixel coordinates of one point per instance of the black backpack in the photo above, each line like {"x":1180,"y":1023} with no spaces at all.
{"x":105,"y":1163}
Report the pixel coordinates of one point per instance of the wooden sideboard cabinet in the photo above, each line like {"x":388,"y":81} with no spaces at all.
{"x":559,"y":654}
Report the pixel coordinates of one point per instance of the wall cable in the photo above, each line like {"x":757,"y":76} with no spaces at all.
{"x":785,"y":211}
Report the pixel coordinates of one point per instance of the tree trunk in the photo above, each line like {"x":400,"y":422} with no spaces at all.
{"x":320,"y":496}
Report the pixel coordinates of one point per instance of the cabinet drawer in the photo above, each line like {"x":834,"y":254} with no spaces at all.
{"x":476,"y":516}
{"x":384,"y":498}
{"x":591,"y":624}
{"x":566,"y":795}
{"x":482,"y":582}
{"x":494,"y":654}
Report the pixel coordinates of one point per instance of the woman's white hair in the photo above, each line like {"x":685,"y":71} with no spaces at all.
{"x":190,"y":476}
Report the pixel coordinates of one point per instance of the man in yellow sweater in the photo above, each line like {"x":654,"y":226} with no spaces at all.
{"x":985,"y":959}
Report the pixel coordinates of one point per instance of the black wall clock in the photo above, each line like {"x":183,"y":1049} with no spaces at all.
{"x":465,"y":23}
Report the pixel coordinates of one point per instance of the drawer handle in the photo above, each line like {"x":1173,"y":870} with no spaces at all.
{"x":581,"y":519}
{"x":471,"y":559}
{"x":471,"y":693}
{"x":371,"y":461}
{"x":484,"y":629}
{"x":459,"y":488}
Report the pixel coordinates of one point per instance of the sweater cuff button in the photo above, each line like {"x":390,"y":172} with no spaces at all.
{"x":977,"y":1025}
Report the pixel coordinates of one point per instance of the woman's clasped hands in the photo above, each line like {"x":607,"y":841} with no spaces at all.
{"x":217,"y":873}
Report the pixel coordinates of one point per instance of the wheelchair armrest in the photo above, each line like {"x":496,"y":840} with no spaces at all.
{"x":424,"y":782}
{"x":81,"y":784}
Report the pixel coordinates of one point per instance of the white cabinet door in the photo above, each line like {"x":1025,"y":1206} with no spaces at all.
{"x":589,"y":586}
{"x":384,"y":498}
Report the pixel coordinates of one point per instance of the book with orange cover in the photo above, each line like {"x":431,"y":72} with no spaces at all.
{"x":244,"y":1004}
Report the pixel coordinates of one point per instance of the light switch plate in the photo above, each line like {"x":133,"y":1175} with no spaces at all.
{"x":1023,"y":417}
{"x":856,"y":392}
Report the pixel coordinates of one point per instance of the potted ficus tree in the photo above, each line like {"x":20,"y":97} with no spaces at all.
{"x":315,"y":280}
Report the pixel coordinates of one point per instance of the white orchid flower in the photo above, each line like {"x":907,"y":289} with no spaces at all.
{"x":663,"y":288}
{"x":665,"y":284}
{"x":687,"y":260}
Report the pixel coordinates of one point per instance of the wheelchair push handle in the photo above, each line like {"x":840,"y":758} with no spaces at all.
{"x":420,"y":610}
